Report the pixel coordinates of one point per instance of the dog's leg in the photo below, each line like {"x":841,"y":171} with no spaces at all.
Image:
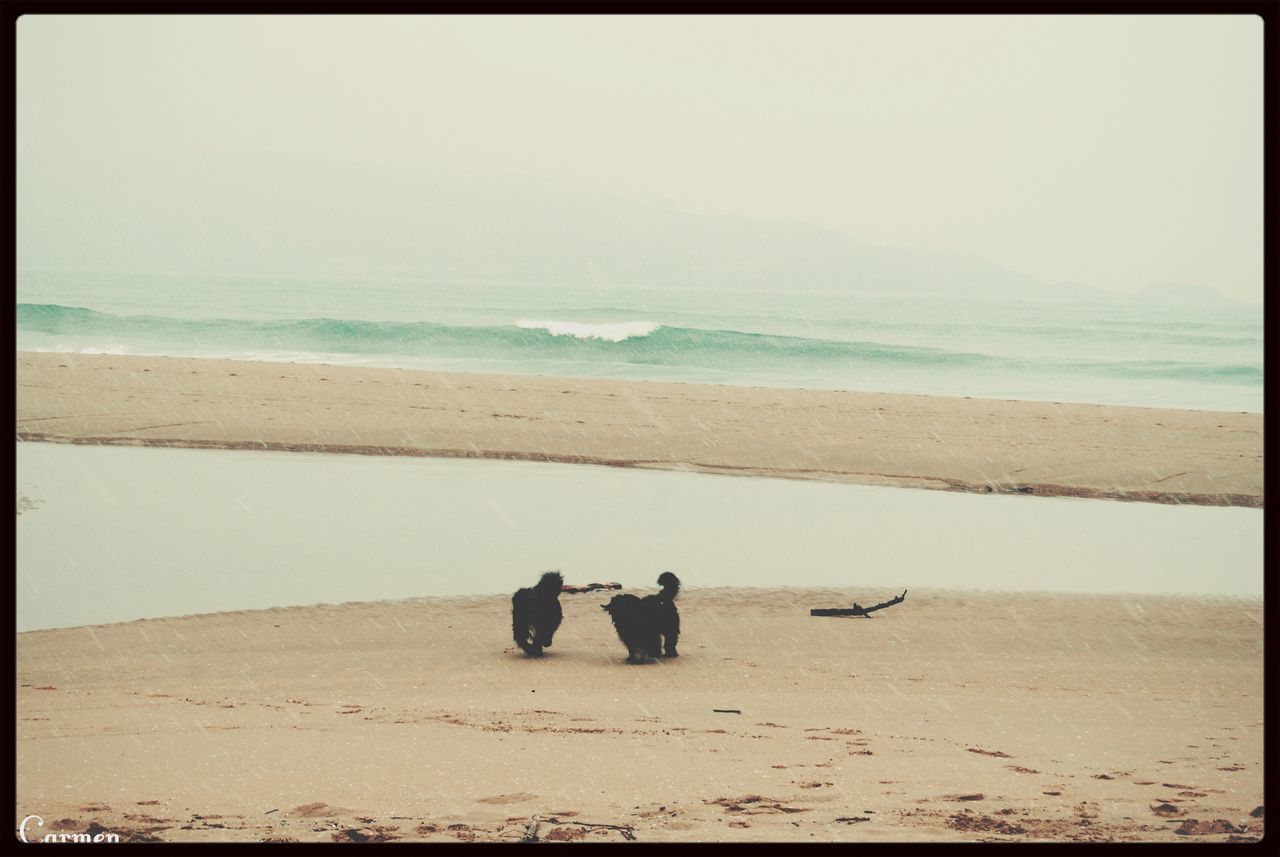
{"x":653,"y":645}
{"x":520,"y":630}
{"x":534,"y":648}
{"x":673,"y":636}
{"x":526,"y":638}
{"x":550,"y":624}
{"x":530,"y":646}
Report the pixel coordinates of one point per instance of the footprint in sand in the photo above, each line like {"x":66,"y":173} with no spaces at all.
{"x":1087,"y":809}
{"x":514,"y":797}
{"x":463,"y":831}
{"x":317,"y":810}
{"x":754,"y":804}
{"x":365,"y":834}
{"x":564,"y":834}
{"x":651,"y":813}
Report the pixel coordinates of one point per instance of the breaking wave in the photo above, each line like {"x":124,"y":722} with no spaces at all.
{"x":632,"y":348}
{"x":578,"y":330}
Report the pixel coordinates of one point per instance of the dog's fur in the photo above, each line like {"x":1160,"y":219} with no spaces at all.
{"x":649,"y":626}
{"x":536,"y":614}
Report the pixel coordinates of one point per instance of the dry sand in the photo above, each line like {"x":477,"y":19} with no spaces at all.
{"x":962,"y":444}
{"x":947,"y":717}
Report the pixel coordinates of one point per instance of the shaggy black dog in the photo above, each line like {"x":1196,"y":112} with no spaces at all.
{"x":536,"y":614}
{"x":649,"y":626}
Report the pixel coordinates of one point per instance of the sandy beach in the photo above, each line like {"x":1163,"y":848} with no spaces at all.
{"x":951,"y":716}
{"x":334,"y":363}
{"x":957,"y":444}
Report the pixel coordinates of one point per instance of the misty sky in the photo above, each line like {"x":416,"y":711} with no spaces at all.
{"x":1112,"y":151}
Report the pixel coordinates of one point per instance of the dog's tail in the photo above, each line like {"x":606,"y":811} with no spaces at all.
{"x":670,"y":585}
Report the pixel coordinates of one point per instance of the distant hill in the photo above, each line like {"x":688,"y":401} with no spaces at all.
{"x":276,"y":216}
{"x":1182,"y":293}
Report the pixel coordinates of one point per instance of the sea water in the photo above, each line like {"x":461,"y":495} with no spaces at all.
{"x":115,"y":534}
{"x":1117,"y":352}
{"x":109,"y":534}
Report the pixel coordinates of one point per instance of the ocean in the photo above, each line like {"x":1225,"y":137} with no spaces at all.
{"x":1113,"y":352}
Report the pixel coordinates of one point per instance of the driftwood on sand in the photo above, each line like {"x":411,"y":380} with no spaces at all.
{"x":857,"y":609}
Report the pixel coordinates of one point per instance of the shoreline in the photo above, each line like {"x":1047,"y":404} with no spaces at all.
{"x":419,"y":720}
{"x":1168,"y":599}
{"x":941,"y":443}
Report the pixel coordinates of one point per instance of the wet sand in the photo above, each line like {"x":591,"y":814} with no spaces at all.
{"x":957,"y":444}
{"x":950,"y":716}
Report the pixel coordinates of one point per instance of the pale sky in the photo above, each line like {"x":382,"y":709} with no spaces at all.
{"x":1112,"y":151}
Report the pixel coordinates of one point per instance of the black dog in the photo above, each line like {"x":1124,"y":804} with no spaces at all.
{"x":536,"y":614}
{"x":649,"y":626}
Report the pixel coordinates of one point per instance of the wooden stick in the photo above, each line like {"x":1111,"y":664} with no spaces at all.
{"x":857,"y":609}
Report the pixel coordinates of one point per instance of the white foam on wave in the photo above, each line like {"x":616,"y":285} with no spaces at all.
{"x":608,"y":332}
{"x":111,"y":348}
